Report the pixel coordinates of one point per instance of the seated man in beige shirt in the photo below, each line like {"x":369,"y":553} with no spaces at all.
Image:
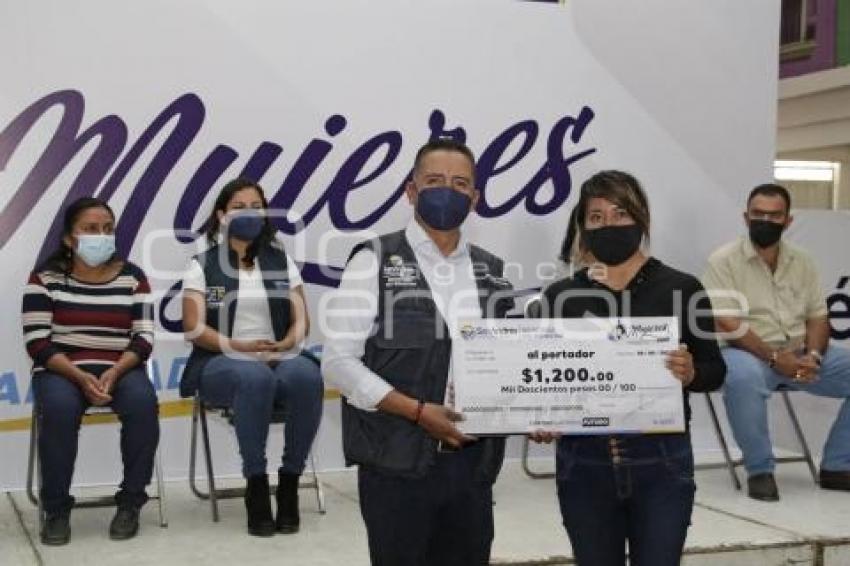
{"x":768,"y":298}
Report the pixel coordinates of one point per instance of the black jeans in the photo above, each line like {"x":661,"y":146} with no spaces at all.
{"x":443,"y":519}
{"x":637,"y":488}
{"x":62,"y":404}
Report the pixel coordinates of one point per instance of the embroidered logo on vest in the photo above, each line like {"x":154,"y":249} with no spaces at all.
{"x":397,"y":273}
{"x":215,"y":295}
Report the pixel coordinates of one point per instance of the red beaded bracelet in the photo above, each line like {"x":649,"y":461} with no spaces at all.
{"x":419,"y":411}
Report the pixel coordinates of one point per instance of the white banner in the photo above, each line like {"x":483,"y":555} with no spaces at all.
{"x":824,"y":234}
{"x":155,"y":105}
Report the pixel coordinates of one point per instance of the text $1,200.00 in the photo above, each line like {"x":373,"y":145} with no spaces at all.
{"x":567,"y":375}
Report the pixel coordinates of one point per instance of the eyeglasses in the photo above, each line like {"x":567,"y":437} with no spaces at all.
{"x":770,"y":215}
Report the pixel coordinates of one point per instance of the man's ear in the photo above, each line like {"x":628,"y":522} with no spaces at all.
{"x":475,"y":196}
{"x":789,"y":221}
{"x":410,"y":190}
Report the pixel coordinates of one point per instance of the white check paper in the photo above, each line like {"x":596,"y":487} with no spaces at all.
{"x":576,"y":376}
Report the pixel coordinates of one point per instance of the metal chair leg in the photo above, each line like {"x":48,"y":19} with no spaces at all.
{"x":721,"y":438}
{"x":160,"y":490}
{"x":31,"y":462}
{"x":798,"y":430}
{"x":525,"y":466}
{"x":199,"y":413}
{"x":205,"y":437}
{"x":34,"y":467}
{"x":317,"y":485}
{"x":193,"y":452}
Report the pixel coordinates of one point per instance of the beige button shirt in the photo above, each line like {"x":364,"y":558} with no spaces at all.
{"x":777,"y":304}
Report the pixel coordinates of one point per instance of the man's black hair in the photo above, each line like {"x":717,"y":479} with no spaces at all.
{"x":771,"y":190}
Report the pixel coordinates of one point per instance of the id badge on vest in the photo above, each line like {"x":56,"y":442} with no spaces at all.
{"x":398,"y":274}
{"x":215,"y":295}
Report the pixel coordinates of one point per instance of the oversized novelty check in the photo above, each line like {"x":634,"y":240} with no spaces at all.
{"x":578,"y":376}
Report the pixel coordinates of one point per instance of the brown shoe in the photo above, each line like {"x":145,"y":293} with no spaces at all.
{"x":762,"y":487}
{"x":838,"y":479}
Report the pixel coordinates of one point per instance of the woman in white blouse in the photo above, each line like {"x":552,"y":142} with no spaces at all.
{"x":245,"y":314}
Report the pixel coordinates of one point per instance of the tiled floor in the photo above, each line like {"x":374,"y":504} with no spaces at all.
{"x":728,"y":528}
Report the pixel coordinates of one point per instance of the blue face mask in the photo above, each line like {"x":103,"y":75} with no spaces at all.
{"x":95,"y":249}
{"x":442,"y":208}
{"x":245,"y":224}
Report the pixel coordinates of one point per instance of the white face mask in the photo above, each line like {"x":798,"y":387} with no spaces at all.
{"x":95,"y":249}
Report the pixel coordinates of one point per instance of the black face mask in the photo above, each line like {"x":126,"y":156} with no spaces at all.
{"x":612,"y":245}
{"x":765,"y":233}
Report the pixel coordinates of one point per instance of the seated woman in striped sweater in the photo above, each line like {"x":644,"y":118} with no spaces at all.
{"x":88,"y":328}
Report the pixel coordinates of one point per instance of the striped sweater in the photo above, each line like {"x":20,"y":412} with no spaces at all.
{"x":92,"y":324}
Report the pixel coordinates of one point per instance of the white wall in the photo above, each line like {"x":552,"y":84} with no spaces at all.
{"x":683,"y":96}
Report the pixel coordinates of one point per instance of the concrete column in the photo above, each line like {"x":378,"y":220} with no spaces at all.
{"x":843,"y":185}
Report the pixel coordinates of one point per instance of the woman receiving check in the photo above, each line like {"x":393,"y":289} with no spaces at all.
{"x":637,"y":487}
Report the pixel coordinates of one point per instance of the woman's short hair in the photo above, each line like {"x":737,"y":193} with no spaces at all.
{"x":618,"y":187}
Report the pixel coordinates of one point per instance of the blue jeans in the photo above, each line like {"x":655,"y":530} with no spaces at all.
{"x":254,"y":390}
{"x":62,"y":404}
{"x":614,"y":489}
{"x":749,"y":383}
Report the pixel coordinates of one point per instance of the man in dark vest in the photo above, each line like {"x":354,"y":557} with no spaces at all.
{"x":425,"y":487}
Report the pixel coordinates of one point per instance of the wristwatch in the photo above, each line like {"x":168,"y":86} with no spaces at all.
{"x":817,"y":356}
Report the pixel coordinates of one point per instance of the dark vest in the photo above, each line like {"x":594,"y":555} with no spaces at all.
{"x":411,"y":350}
{"x":222,"y":298}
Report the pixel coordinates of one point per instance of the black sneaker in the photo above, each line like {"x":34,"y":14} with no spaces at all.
{"x":57,"y":529}
{"x":125,"y":523}
{"x":762,"y":487}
